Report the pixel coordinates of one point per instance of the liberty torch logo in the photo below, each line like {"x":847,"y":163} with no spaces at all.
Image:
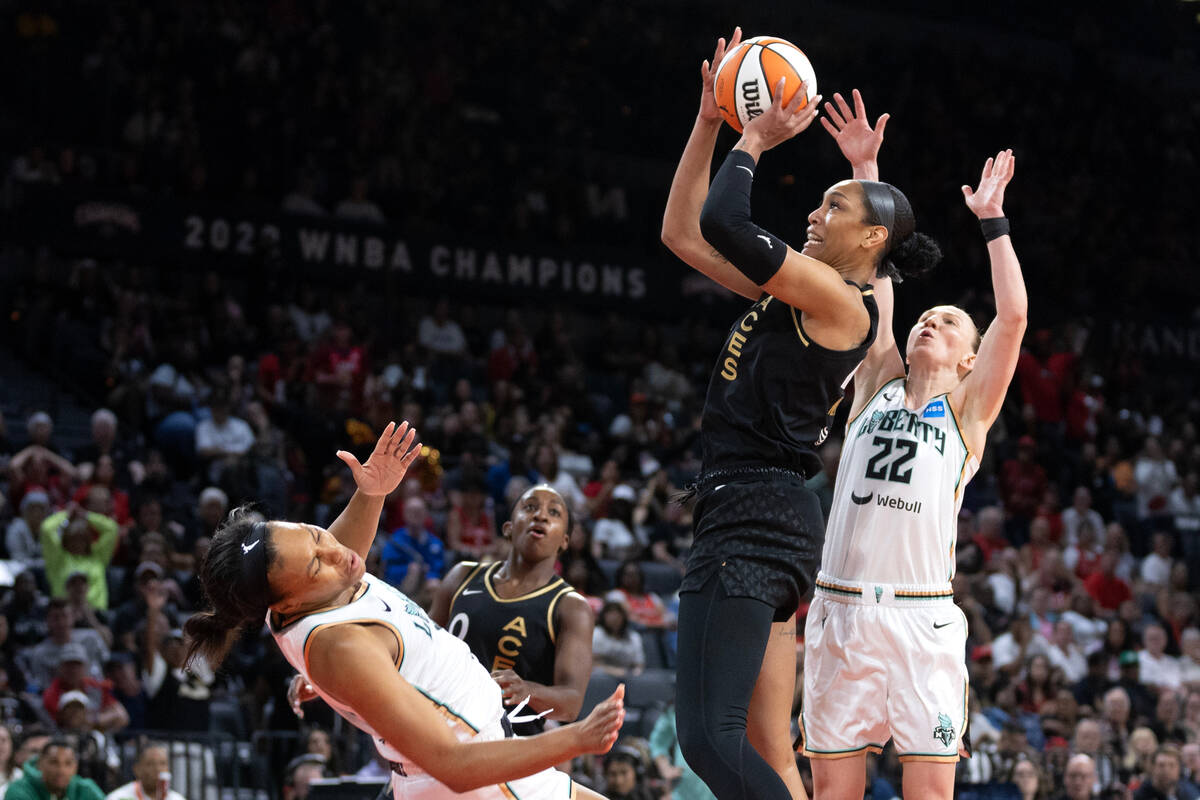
{"x":944,"y":732}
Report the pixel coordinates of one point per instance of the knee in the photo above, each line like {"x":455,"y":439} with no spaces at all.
{"x":775,"y":750}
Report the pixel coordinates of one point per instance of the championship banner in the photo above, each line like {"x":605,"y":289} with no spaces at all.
{"x":329,"y":249}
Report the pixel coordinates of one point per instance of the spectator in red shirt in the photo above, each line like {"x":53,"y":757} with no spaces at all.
{"x":513,"y":357}
{"x":1051,"y":511}
{"x":104,"y":475}
{"x":1104,"y":586}
{"x":1022,"y":486}
{"x":599,"y":491}
{"x":1041,"y":375}
{"x":279,"y":368}
{"x":989,"y":536}
{"x":339,"y":368}
{"x":73,"y":677}
{"x":1084,"y":556}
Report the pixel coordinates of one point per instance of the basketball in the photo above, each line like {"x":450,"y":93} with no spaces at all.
{"x":747,"y":76}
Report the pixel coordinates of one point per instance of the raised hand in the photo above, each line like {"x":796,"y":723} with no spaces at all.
{"x":779,"y":123}
{"x":987,"y":201}
{"x":708,"y":76}
{"x":598,"y":732}
{"x":855,"y":137}
{"x":391,"y":458}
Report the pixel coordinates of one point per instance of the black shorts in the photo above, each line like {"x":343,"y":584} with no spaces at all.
{"x":762,"y":535}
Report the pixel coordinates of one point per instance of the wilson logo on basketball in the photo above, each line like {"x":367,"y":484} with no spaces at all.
{"x":750,"y":73}
{"x":750,"y":97}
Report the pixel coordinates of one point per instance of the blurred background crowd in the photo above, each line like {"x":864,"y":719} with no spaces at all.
{"x":142,"y":401}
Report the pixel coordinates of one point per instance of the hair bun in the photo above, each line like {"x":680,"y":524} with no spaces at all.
{"x":915,"y":255}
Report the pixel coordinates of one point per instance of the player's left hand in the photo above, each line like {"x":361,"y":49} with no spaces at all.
{"x":391,"y":458}
{"x":855,"y":137}
{"x":512,"y":688}
{"x":300,"y":691}
{"x":988,"y":200}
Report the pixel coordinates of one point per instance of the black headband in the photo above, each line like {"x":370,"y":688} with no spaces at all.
{"x":254,"y":563}
{"x":880,"y":200}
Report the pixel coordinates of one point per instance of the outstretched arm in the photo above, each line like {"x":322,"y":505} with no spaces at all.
{"x":681,"y":221}
{"x":355,"y":527}
{"x":351,"y":663}
{"x":981,"y":394}
{"x":860,"y":144}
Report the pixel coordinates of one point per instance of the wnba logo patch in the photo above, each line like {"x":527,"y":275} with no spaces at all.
{"x":935,"y":409}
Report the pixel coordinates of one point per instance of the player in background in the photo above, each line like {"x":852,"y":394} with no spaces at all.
{"x":521,"y":620}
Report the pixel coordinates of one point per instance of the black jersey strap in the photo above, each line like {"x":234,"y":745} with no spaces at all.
{"x":725,"y":222}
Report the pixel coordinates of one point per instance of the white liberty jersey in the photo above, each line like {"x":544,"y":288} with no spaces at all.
{"x":899,"y":487}
{"x":438,"y":664}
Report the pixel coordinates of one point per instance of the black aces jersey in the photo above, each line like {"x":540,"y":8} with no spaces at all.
{"x":774,"y":391}
{"x":517,"y":633}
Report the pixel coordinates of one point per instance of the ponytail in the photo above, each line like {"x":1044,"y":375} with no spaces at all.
{"x":913,"y":256}
{"x":210,"y":636}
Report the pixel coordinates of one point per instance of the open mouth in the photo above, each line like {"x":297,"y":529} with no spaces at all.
{"x":925,"y":334}
{"x":538,"y":530}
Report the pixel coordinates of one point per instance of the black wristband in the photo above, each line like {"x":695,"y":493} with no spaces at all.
{"x":993,"y":228}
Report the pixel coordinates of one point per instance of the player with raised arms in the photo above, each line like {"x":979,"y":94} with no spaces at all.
{"x":777,"y":383}
{"x":884,"y":641}
{"x":373,"y":655}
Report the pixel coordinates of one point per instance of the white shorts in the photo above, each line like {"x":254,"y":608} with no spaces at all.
{"x":884,"y":661}
{"x":549,"y":784}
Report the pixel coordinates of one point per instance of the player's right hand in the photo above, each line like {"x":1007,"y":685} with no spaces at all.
{"x":779,"y":122}
{"x":300,"y":691}
{"x":599,"y":730}
{"x":708,"y":75}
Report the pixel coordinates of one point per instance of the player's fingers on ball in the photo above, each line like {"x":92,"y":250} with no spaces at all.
{"x":780,"y":85}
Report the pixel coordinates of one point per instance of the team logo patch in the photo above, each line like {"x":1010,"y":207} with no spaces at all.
{"x":944,"y":732}
{"x":935,"y":409}
{"x":878,"y":593}
{"x":876,"y":418}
